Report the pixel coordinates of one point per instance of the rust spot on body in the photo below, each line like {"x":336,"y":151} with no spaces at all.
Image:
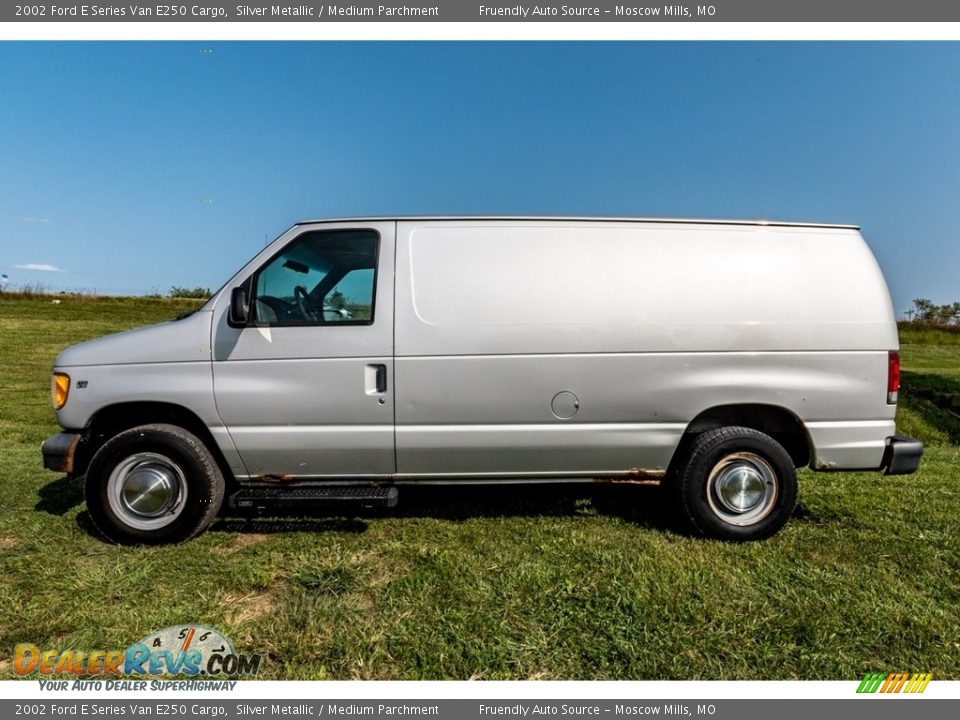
{"x":273,"y":479}
{"x":71,"y":453}
{"x":59,"y":453}
{"x":635,"y":476}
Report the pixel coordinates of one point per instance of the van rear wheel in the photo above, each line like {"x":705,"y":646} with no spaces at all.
{"x":735,"y":483}
{"x":153,"y":484}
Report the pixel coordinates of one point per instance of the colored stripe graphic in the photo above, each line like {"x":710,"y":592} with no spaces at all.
{"x":894,"y":682}
{"x":918,"y":682}
{"x":871,"y":681}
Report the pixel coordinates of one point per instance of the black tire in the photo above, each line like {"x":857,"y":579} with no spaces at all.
{"x":735,"y":483}
{"x":133,"y":469}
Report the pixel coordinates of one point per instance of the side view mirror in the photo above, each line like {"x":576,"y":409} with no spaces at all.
{"x":239,"y":307}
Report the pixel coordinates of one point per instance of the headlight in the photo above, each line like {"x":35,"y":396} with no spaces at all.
{"x":60,"y":389}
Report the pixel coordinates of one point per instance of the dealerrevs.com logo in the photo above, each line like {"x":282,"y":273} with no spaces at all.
{"x":894,"y":682}
{"x":192,"y":650}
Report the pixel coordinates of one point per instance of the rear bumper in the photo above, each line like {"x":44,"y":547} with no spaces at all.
{"x":58,"y":451}
{"x":902,"y":455}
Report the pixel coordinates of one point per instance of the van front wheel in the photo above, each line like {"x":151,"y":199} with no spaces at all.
{"x":736,"y":483}
{"x":153,"y":484}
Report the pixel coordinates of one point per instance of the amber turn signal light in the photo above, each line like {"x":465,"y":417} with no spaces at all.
{"x":60,"y":389}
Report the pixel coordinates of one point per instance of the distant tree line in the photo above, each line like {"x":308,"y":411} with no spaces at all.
{"x":926,"y":312}
{"x":200,"y":293}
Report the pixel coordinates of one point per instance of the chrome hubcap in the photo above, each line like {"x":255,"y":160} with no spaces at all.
{"x":742,"y":488}
{"x":147,"y":491}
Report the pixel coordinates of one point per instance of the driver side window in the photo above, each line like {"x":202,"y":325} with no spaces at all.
{"x":320,"y":278}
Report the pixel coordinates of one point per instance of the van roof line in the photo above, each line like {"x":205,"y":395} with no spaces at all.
{"x":678,"y":221}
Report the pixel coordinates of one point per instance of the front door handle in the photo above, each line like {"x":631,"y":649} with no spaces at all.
{"x":376,"y":379}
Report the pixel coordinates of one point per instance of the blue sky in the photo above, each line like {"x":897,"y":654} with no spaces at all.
{"x":132,"y":167}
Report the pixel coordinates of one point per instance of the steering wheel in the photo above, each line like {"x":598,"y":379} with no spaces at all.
{"x":302,"y":298}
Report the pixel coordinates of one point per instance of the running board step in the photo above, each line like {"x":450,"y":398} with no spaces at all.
{"x":291,"y":498}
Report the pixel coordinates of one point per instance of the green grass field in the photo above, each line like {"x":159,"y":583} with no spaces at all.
{"x":457,"y":584}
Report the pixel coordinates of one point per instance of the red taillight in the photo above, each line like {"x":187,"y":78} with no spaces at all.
{"x":893,"y":377}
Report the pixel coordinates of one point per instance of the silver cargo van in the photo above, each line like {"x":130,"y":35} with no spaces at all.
{"x":353,"y":356}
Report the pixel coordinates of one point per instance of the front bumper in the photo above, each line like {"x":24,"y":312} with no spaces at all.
{"x":58,"y":451}
{"x":902,"y":455}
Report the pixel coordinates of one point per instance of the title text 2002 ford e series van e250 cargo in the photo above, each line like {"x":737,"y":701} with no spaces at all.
{"x":353,"y":356}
